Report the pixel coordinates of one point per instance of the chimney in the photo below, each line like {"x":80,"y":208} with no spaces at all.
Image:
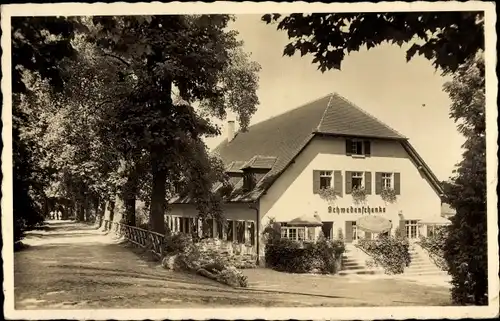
{"x":230,"y":130}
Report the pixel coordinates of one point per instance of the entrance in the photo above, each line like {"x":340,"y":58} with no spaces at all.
{"x":411,"y":229}
{"x":327,"y":229}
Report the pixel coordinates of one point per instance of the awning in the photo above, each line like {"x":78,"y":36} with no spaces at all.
{"x":437,"y":220}
{"x":373,"y":224}
{"x":306,"y":220}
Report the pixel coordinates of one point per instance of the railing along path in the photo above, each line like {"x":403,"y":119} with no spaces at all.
{"x":137,"y":236}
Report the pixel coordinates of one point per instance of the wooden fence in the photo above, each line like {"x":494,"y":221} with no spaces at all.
{"x":138,"y":236}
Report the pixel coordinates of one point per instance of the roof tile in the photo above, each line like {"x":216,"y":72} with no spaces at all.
{"x":273,"y":143}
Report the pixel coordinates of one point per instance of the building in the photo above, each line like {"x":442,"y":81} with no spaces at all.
{"x":288,"y":167}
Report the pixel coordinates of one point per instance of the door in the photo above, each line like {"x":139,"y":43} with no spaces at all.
{"x":411,"y":229}
{"x":327,"y":229}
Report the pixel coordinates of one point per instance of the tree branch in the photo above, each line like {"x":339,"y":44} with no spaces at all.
{"x":118,"y":58}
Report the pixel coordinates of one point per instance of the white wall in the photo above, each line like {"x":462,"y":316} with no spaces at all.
{"x":292,"y":193}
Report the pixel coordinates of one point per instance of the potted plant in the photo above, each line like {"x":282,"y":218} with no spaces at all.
{"x":328,"y":194}
{"x":388,"y":195}
{"x":358,"y":195}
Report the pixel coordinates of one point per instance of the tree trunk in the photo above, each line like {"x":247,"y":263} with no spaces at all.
{"x":96,"y":210}
{"x":80,"y":211}
{"x":46,"y":211}
{"x":101,"y":210}
{"x":87,"y":209}
{"x":111,"y":207}
{"x":157,"y":208}
{"x":130,"y":199}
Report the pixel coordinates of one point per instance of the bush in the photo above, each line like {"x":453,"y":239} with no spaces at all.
{"x":272,"y":231}
{"x":182,"y":254}
{"x":177,"y":243}
{"x":434,"y":245}
{"x":388,"y":252}
{"x":295,"y":257}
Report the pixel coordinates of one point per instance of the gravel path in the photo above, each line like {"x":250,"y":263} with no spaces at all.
{"x":74,"y":266}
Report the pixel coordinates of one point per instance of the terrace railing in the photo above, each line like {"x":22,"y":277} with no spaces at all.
{"x":138,"y":236}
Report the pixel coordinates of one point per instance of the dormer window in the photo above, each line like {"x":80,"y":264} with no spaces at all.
{"x":248,"y":181}
{"x":358,"y":147}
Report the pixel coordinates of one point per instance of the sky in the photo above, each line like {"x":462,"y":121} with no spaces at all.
{"x":406,"y":96}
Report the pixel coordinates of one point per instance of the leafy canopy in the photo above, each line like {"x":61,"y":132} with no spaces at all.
{"x":448,"y":39}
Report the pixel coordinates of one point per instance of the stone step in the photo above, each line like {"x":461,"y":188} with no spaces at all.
{"x":419,"y":263}
{"x":358,"y":272}
{"x":422,"y":270}
{"x":348,"y":268}
{"x":426,"y":273}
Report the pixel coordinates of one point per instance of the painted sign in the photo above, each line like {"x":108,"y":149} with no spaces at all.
{"x":357,"y":210}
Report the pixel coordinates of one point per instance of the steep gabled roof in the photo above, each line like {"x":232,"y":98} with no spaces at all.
{"x":275,"y":142}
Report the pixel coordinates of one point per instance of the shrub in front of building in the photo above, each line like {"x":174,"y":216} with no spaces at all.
{"x":176,"y":243}
{"x":182,"y":254}
{"x":391,"y":253}
{"x":286,"y":255}
{"x":434,"y":245}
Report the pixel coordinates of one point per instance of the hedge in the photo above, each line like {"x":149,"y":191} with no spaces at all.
{"x":291,"y":256}
{"x":391,"y":253}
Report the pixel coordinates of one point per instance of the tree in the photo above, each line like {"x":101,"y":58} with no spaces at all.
{"x":448,"y":39}
{"x":466,"y":246}
{"x":190,"y":54}
{"x":38,"y":43}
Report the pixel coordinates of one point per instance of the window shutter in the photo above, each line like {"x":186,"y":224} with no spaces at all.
{"x":348,"y":231}
{"x":378,"y":183}
{"x":367,"y":148}
{"x":337,"y":182}
{"x":368,"y":183}
{"x":315,"y":182}
{"x":348,"y":147}
{"x":348,"y":182}
{"x":397,"y":183}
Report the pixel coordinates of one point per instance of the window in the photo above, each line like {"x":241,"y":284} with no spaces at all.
{"x":387,"y":181}
{"x":185,"y":224}
{"x":251,"y":232}
{"x":176,"y":224}
{"x":357,"y":180}
{"x":230,"y":230}
{"x":357,"y":147}
{"x":220,"y":230}
{"x":248,"y":181}
{"x":297,"y":233}
{"x":431,"y":230}
{"x":209,"y":228}
{"x":325,"y":179}
{"x":301,"y":234}
{"x":411,"y":228}
{"x":311,"y":233}
{"x":240,"y":231}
